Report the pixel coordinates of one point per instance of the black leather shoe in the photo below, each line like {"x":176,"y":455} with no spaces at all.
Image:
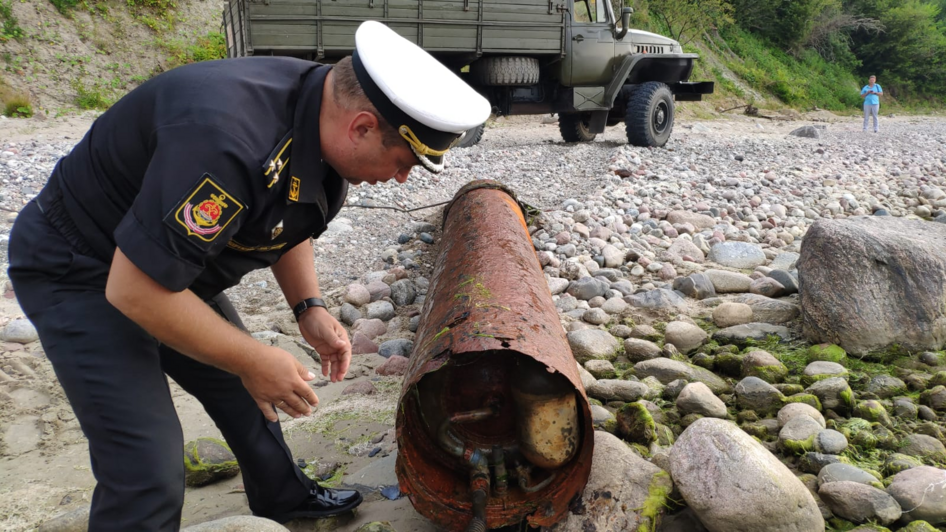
{"x":322,"y":502}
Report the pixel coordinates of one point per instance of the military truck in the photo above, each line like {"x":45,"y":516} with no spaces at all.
{"x":570,"y":57}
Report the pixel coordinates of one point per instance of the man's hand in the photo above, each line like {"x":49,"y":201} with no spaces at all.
{"x":277,"y":379}
{"x":328,"y":337}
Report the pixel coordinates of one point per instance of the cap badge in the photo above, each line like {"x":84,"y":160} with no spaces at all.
{"x":277,"y":230}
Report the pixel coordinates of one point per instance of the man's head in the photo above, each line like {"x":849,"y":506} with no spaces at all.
{"x":872,"y":80}
{"x":391,"y":106}
{"x":372,"y":150}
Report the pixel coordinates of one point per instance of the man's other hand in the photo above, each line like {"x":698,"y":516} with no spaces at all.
{"x":277,"y":379}
{"x":328,"y":337}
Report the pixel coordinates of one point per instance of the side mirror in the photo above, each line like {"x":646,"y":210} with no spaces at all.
{"x":625,"y":22}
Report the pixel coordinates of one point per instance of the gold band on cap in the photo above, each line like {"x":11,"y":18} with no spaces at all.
{"x":419,"y":147}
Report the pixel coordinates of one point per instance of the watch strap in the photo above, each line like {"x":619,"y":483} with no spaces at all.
{"x":306,"y":304}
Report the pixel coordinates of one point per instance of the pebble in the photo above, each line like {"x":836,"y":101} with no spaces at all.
{"x":381,"y":310}
{"x":19,"y":331}
{"x":399,"y":347}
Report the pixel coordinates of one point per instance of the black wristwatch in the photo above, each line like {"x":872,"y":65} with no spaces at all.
{"x":306,"y":304}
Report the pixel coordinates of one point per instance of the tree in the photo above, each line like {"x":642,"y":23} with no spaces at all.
{"x":912,"y":50}
{"x":687,"y":19}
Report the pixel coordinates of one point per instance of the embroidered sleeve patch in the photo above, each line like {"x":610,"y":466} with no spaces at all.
{"x":205,"y":211}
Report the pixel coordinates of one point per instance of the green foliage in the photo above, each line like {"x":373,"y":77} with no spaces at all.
{"x":65,"y":5}
{"x":206,"y":47}
{"x":10,"y":27}
{"x":910,"y":56}
{"x":687,"y":19}
{"x":90,"y":98}
{"x":803,"y":81}
{"x":161,"y":8}
{"x":17,"y":106}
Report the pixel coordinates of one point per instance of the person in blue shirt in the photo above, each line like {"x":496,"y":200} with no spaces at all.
{"x":871,"y":94}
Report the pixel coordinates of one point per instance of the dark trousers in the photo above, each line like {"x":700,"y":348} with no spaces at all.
{"x":114,"y":374}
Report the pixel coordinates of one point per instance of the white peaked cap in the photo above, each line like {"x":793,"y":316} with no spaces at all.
{"x":427,"y":103}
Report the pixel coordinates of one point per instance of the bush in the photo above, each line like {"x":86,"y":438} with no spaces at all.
{"x":10,"y":29}
{"x":90,"y":97}
{"x":64,"y":5}
{"x":205,"y":48}
{"x":17,"y":106}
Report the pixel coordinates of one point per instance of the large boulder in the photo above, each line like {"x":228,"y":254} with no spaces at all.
{"x":637,"y":491}
{"x":921,"y":492}
{"x":868,"y":283}
{"x":734,"y":484}
{"x":859,"y":503}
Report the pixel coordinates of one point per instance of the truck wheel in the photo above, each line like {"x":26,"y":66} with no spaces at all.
{"x":472,"y":137}
{"x":574,"y":127}
{"x":649,"y":118}
{"x":505,"y":71}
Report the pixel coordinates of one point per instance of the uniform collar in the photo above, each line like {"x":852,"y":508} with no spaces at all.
{"x":310,"y":177}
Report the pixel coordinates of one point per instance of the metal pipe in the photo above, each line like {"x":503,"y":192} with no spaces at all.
{"x":501,"y":483}
{"x":488,"y":308}
{"x":478,"y":523}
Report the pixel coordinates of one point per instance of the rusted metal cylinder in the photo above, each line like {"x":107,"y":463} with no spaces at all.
{"x":491,"y":375}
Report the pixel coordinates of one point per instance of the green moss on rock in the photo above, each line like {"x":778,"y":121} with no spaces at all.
{"x":757,"y":430}
{"x":729,"y":364}
{"x":826,"y":352}
{"x":918,"y":526}
{"x":747,"y":416}
{"x":808,"y":380}
{"x":208,"y":460}
{"x":770,"y":374}
{"x":847,"y":399}
{"x":635,"y":424}
{"x":897,"y":463}
{"x":939,"y":379}
{"x":689,"y":419}
{"x":665,"y":436}
{"x":789,"y":389}
{"x":799,"y":447}
{"x":872,"y":410}
{"x":610,"y":426}
{"x":658,"y":494}
{"x":864,"y":440}
{"x":807,"y":398}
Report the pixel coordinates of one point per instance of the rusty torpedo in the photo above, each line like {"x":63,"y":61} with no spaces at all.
{"x":493,"y":425}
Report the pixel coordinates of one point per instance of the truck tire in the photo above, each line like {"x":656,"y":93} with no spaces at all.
{"x":574,"y":127}
{"x":472,"y":137}
{"x":505,"y":71}
{"x":649,"y":118}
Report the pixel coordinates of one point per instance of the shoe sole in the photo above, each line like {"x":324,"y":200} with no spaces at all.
{"x":285,"y":518}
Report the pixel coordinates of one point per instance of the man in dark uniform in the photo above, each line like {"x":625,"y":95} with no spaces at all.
{"x":192,"y":180}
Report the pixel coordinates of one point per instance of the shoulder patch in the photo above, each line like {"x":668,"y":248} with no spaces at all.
{"x":205,"y":211}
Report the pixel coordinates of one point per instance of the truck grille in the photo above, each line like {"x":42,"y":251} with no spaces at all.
{"x":650,"y":49}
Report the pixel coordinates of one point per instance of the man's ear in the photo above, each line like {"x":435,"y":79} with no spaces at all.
{"x":362,"y":125}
